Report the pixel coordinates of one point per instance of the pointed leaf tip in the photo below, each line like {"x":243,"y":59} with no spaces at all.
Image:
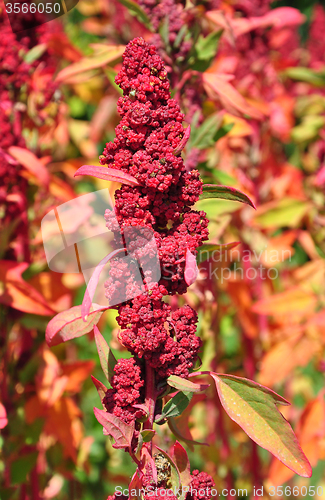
{"x":225,"y":193}
{"x":253,"y":407}
{"x":69,"y":324}
{"x":107,"y":174}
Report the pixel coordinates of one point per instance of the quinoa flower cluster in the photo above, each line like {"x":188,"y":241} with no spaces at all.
{"x":145,"y":147}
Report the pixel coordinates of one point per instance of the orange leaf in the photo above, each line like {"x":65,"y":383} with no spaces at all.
{"x":295,"y":303}
{"x":231,"y":99}
{"x":32,"y":164}
{"x":50,"y":285}
{"x":63,"y":422}
{"x":107,"y":55}
{"x":281,"y":360}
{"x":76,"y":373}
{"x":17,"y":293}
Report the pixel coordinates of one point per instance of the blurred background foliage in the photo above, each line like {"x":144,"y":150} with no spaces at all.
{"x":252,"y":86}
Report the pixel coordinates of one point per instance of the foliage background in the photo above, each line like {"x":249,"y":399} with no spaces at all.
{"x":270,"y":330}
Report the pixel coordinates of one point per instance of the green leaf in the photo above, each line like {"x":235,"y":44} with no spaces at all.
{"x":223,"y":131}
{"x":225,"y":193}
{"x":308,"y":129}
{"x":206,"y":47}
{"x":137,"y":11}
{"x":185,"y":385}
{"x":308,"y":75}
{"x":21,"y":467}
{"x":180,"y":36}
{"x":35,"y":53}
{"x":111,"y":74}
{"x":106,"y":357}
{"x":224,"y":178}
{"x":205,"y":251}
{"x":203,"y":136}
{"x":285,"y":212}
{"x":175,"y":406}
{"x":147,"y":435}
{"x":253,"y":407}
{"x":164,"y":32}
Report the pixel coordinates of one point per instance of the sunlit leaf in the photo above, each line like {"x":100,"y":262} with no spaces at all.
{"x":253,"y":407}
{"x":182,"y":384}
{"x":107,"y":174}
{"x":69,"y":324}
{"x":101,"y":59}
{"x":232,"y":100}
{"x":106,"y":357}
{"x":32,"y":164}
{"x":225,"y":193}
{"x":19,"y":294}
{"x":182,"y":463}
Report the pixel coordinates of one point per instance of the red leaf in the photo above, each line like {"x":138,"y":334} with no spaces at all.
{"x":183,"y":142}
{"x":231,"y":99}
{"x":182,"y":462}
{"x":69,"y":324}
{"x":108,"y":174}
{"x":101,"y":389}
{"x":93,"y":282}
{"x":191,"y":269}
{"x":134,"y":487}
{"x":31,"y":163}
{"x":3,"y":417}
{"x":115,"y":427}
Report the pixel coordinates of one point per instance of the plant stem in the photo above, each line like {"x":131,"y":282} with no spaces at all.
{"x":150,"y":400}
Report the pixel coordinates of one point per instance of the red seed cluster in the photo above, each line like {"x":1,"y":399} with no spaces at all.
{"x":172,"y":10}
{"x":200,"y":486}
{"x":158,"y":210}
{"x":127,"y":384}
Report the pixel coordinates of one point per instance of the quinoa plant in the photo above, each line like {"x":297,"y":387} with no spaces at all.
{"x":154,"y":212}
